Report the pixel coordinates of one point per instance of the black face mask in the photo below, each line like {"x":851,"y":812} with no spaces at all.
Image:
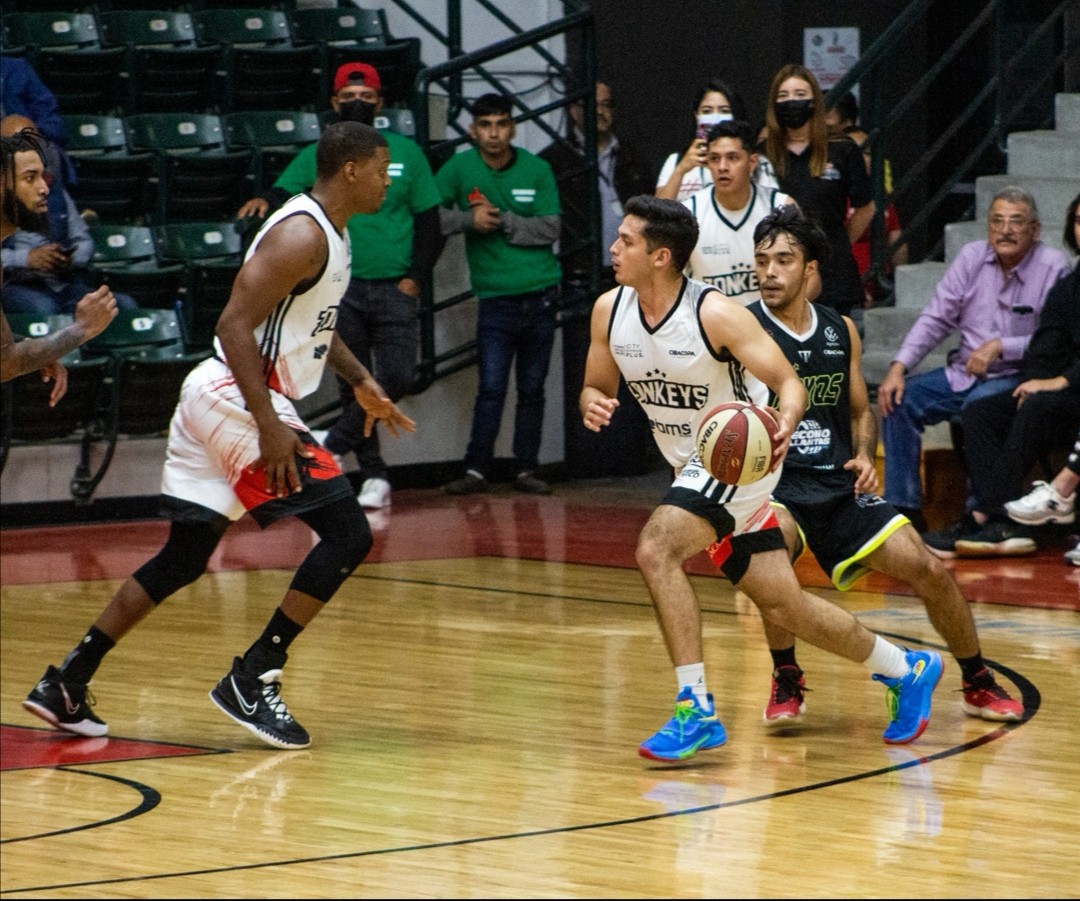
{"x":793,"y":113}
{"x":357,"y":111}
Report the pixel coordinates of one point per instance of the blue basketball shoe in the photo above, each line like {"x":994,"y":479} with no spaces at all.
{"x":908,"y":698}
{"x":691,"y":729}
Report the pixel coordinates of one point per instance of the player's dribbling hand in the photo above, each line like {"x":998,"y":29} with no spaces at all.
{"x":279,"y":446}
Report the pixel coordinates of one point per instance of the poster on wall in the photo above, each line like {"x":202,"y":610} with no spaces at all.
{"x":829,"y":53}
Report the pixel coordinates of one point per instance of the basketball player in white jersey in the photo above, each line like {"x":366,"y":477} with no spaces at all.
{"x":236,"y":444}
{"x":826,"y":498}
{"x":683,"y":348}
{"x":727,"y":212}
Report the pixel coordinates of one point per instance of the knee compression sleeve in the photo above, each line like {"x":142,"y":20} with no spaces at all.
{"x":182,"y":560}
{"x":345,"y":541}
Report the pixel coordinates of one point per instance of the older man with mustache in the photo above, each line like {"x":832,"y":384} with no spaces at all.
{"x":991,"y":295}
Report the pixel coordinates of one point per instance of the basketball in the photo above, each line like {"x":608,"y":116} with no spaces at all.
{"x":735,"y":442}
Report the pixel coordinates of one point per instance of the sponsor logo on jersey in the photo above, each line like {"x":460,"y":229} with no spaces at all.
{"x":657,"y":391}
{"x":633,"y":351}
{"x":810,"y":438}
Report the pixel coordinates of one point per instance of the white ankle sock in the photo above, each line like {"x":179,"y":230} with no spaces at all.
{"x":693,"y":674}
{"x":887,"y":659}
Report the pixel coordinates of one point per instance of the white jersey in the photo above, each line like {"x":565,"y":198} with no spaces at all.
{"x":672,"y":371}
{"x":724,"y":255}
{"x":701,"y":176}
{"x":295,"y":338}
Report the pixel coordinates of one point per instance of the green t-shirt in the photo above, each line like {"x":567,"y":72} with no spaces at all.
{"x":527,"y":188}
{"x":382,"y":241}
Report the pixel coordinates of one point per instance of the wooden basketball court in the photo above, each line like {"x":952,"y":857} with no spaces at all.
{"x":476,"y":694}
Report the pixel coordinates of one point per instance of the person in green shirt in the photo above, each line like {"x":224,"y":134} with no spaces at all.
{"x":506,"y":202}
{"x":393,"y":254}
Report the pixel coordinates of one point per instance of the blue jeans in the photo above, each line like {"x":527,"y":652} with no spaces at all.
{"x":515,"y":330}
{"x":380,"y":326}
{"x":928,"y":399}
{"x":38,"y":299}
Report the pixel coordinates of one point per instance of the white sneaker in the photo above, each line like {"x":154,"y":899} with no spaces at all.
{"x":1073,"y":556}
{"x":1042,"y":505}
{"x":374,"y":493}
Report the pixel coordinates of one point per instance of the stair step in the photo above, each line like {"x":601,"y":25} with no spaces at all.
{"x":1067,"y":112}
{"x":1052,"y":194}
{"x":915,"y":283}
{"x":1038,"y":152}
{"x":957,"y":234}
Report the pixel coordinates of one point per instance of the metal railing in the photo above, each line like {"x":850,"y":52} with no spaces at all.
{"x":876,"y":68}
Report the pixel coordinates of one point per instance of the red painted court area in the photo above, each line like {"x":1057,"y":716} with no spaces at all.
{"x":23,"y":748}
{"x":571,"y":526}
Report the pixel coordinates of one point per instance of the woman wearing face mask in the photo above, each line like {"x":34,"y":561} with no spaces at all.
{"x":823,"y":174}
{"x":683,"y":174}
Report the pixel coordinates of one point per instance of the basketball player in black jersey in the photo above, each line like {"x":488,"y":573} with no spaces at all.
{"x":827,"y":498}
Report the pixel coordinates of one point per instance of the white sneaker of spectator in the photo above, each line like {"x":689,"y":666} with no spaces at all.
{"x":374,"y":493}
{"x":1042,"y":505}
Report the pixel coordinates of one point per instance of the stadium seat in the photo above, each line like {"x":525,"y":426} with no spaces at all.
{"x":167,"y":70}
{"x":117,"y":184}
{"x":25,"y":414}
{"x":66,"y":52}
{"x":201,"y":178}
{"x":261,"y":69}
{"x":149,"y":361}
{"x":125,"y":258}
{"x":354,"y":34}
{"x":212,"y":255}
{"x":276,"y":135}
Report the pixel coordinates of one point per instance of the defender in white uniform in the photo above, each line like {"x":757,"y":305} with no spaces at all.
{"x":682,"y":346}
{"x":236,"y":444}
{"x":728,"y":211}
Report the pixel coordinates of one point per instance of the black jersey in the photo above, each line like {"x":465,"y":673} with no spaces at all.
{"x":821,"y":443}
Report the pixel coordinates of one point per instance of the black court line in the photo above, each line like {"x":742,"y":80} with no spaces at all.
{"x":1032,"y":700}
{"x":151,"y":798}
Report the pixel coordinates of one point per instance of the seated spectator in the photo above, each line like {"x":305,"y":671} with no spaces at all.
{"x":45,"y":258}
{"x":1006,"y":433}
{"x":1052,"y":501}
{"x":991,"y":294}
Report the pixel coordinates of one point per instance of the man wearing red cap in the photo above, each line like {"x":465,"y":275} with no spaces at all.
{"x":394,"y":251}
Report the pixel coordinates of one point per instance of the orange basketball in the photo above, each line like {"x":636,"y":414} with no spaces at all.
{"x":735,"y":442}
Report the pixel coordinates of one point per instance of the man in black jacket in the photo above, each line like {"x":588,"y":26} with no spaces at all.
{"x":620,"y":177}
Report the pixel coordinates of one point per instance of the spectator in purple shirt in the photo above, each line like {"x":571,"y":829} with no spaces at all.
{"x":991,"y":295}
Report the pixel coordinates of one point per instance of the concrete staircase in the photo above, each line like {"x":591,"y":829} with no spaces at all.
{"x":1047,"y":163}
